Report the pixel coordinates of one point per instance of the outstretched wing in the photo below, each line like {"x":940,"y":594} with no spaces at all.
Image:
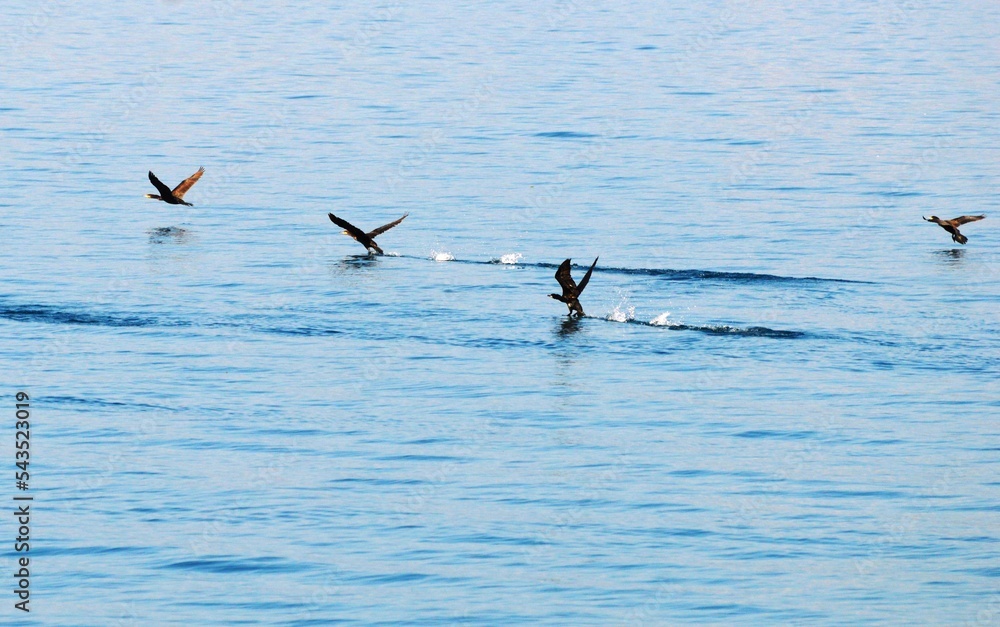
{"x":566,"y":280}
{"x":187,"y":183}
{"x":965,"y":219}
{"x":382,"y":229}
{"x":160,"y":187}
{"x":586,"y":278}
{"x":355,"y":232}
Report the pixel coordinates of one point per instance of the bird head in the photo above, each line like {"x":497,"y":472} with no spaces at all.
{"x":152,"y":196}
{"x":931,"y":219}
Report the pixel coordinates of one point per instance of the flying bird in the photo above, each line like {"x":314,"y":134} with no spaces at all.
{"x":365,"y":239}
{"x":952,"y":225}
{"x":570,"y":290}
{"x":174,"y":196}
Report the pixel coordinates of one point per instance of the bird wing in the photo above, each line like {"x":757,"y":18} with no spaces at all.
{"x":358,"y":234}
{"x":187,"y":183}
{"x":586,"y":278}
{"x":965,"y":219}
{"x":158,"y":184}
{"x":566,"y":280}
{"x":382,"y":229}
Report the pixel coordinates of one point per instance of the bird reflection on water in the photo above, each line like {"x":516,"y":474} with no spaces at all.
{"x":354,"y":263}
{"x":952,"y":257}
{"x":568,"y":326}
{"x":169,"y":235}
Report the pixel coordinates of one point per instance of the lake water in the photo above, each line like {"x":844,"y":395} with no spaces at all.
{"x":783,"y":405}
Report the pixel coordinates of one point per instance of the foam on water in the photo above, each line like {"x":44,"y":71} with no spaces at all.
{"x":442,"y":256}
{"x":511,"y":258}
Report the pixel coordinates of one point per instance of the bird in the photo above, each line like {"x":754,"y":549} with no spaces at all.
{"x":570,"y":290}
{"x":365,"y":239}
{"x":952,"y":225}
{"x":176,"y":195}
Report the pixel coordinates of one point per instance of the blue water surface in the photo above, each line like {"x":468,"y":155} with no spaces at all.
{"x":781,"y":408}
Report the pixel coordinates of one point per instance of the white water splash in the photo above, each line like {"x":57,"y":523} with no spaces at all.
{"x":442,"y":256}
{"x":622,"y":314}
{"x":623,"y":311}
{"x":511,"y":258}
{"x":663,"y":320}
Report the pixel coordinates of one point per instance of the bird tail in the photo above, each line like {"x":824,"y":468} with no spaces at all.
{"x":958,"y":237}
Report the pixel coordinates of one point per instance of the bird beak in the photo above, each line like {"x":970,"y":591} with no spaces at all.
{"x":926,"y":218}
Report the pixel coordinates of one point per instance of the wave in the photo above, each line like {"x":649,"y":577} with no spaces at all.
{"x":234,"y":564}
{"x":306,"y":331}
{"x":564,"y":135}
{"x":51,"y":315}
{"x":97,"y":402}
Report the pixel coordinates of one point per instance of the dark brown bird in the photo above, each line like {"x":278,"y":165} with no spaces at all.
{"x":952,"y":225}
{"x":570,"y":290}
{"x":174,"y":196}
{"x":365,"y":239}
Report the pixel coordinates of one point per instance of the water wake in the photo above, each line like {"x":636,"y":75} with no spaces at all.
{"x":622,"y":313}
{"x":667,"y":274}
{"x":725,"y":329}
{"x":627,"y":315}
